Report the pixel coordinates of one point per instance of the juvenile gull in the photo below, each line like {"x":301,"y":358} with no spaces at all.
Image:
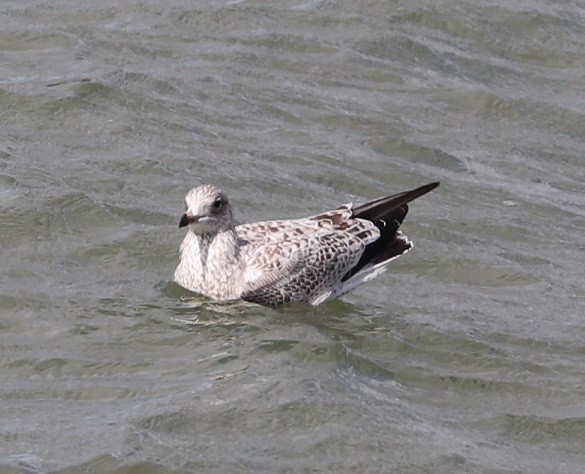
{"x":310,"y":259}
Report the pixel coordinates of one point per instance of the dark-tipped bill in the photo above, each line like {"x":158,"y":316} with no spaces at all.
{"x":186,"y":220}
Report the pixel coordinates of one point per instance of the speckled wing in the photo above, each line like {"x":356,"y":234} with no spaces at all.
{"x":300,"y":260}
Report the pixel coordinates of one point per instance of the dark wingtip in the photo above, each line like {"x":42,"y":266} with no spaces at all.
{"x":374,"y":209}
{"x":425,"y":189}
{"x":387,"y":214}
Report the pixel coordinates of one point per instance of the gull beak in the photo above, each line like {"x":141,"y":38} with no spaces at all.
{"x":186,"y":219}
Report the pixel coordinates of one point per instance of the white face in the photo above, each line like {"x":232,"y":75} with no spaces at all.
{"x":207,"y":210}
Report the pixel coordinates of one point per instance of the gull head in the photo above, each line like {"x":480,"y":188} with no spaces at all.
{"x":207,"y":211}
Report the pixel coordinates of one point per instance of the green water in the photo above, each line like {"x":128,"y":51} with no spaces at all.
{"x":467,"y":356}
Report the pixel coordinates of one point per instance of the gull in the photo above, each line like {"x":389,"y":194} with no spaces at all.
{"x":311,"y":259}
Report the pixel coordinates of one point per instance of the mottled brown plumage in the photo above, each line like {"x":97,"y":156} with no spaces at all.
{"x":311,"y":259}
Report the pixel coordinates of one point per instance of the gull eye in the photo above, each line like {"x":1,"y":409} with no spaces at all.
{"x":217,"y":204}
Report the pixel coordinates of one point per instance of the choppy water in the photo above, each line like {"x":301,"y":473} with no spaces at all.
{"x":468,"y":357}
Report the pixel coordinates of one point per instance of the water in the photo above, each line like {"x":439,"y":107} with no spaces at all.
{"x":467,"y":357}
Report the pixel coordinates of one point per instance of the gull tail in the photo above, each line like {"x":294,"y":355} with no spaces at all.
{"x":387,"y":213}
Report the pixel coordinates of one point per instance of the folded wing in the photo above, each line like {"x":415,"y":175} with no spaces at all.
{"x":300,"y":260}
